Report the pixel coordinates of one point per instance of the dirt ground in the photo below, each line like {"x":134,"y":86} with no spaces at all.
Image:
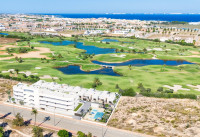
{"x":5,"y":85}
{"x":7,"y":40}
{"x":159,"y":117}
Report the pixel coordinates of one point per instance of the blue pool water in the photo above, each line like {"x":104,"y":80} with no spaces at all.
{"x":98,"y":115}
{"x":94,"y":111}
{"x":72,"y":70}
{"x":145,"y":62}
{"x":4,"y":34}
{"x":89,"y":49}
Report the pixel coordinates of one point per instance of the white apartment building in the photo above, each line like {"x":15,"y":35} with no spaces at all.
{"x":2,"y":27}
{"x":60,"y":98}
{"x":92,"y":32}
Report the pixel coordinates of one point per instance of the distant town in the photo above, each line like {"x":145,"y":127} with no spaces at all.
{"x":51,"y":25}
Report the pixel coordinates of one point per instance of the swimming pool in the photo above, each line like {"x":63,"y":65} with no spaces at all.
{"x":98,"y":115}
{"x":94,"y":111}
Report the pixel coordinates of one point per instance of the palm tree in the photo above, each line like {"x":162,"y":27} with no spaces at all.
{"x":13,"y":101}
{"x":194,"y":42}
{"x":129,"y":66}
{"x":17,"y":71}
{"x":34,"y":112}
{"x":8,"y":93}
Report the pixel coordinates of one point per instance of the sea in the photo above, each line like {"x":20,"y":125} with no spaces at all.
{"x":152,"y":17}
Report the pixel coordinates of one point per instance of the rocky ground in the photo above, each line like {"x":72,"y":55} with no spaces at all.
{"x":159,"y":117}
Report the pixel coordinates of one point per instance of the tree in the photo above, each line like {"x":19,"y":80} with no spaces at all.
{"x":34,"y":112}
{"x":17,"y":71}
{"x":1,"y":132}
{"x":60,"y":56}
{"x":13,"y":101}
{"x":145,"y":50}
{"x":129,"y":66}
{"x":63,"y":133}
{"x":96,"y":83}
{"x":21,"y":102}
{"x":140,"y":85}
{"x":122,"y":50}
{"x":37,"y":131}
{"x":18,"y":121}
{"x":117,"y":86}
{"x":194,"y":42}
{"x":20,"y":60}
{"x":116,"y":50}
{"x":8,"y":93}
{"x":89,"y":134}
{"x":160,"y":89}
{"x":129,"y":92}
{"x":81,"y":134}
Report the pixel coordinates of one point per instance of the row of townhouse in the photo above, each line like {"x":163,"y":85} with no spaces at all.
{"x":60,"y":98}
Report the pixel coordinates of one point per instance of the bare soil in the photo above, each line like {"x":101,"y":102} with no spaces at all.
{"x":159,"y":117}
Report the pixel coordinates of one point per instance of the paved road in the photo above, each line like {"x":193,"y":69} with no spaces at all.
{"x":69,"y":124}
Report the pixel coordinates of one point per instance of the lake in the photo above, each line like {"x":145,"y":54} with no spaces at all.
{"x":4,"y":34}
{"x":89,"y":49}
{"x":73,"y":69}
{"x":145,"y":62}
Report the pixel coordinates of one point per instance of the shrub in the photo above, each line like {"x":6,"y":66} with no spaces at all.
{"x":81,"y":134}
{"x":37,"y":131}
{"x":63,"y":133}
{"x":1,"y":132}
{"x":128,"y":92}
{"x":18,"y":121}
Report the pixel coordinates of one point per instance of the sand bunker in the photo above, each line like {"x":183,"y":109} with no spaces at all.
{"x":120,"y":56}
{"x":37,"y":67}
{"x":48,"y":77}
{"x":196,"y":87}
{"x":27,"y":73}
{"x":176,"y":88}
{"x":31,"y":54}
{"x":154,"y":57}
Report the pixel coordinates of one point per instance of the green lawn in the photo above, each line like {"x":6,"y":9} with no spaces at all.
{"x":151,"y":76}
{"x":79,"y":105}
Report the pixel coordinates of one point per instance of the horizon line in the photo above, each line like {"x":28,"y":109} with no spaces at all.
{"x":103,"y":13}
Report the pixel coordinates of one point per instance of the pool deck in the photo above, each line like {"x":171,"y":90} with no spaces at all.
{"x":90,"y":116}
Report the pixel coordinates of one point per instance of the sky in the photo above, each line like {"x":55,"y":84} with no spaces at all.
{"x":99,"y":6}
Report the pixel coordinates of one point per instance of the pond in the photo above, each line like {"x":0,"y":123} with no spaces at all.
{"x":110,"y":40}
{"x":145,"y":62}
{"x":4,"y":34}
{"x":73,"y":69}
{"x":89,"y":49}
{"x":114,"y":40}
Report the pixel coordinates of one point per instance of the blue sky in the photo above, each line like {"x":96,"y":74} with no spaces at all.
{"x":99,"y":6}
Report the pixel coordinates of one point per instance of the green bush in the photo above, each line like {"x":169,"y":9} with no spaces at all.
{"x":18,"y":121}
{"x":63,"y":133}
{"x":128,"y":92}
